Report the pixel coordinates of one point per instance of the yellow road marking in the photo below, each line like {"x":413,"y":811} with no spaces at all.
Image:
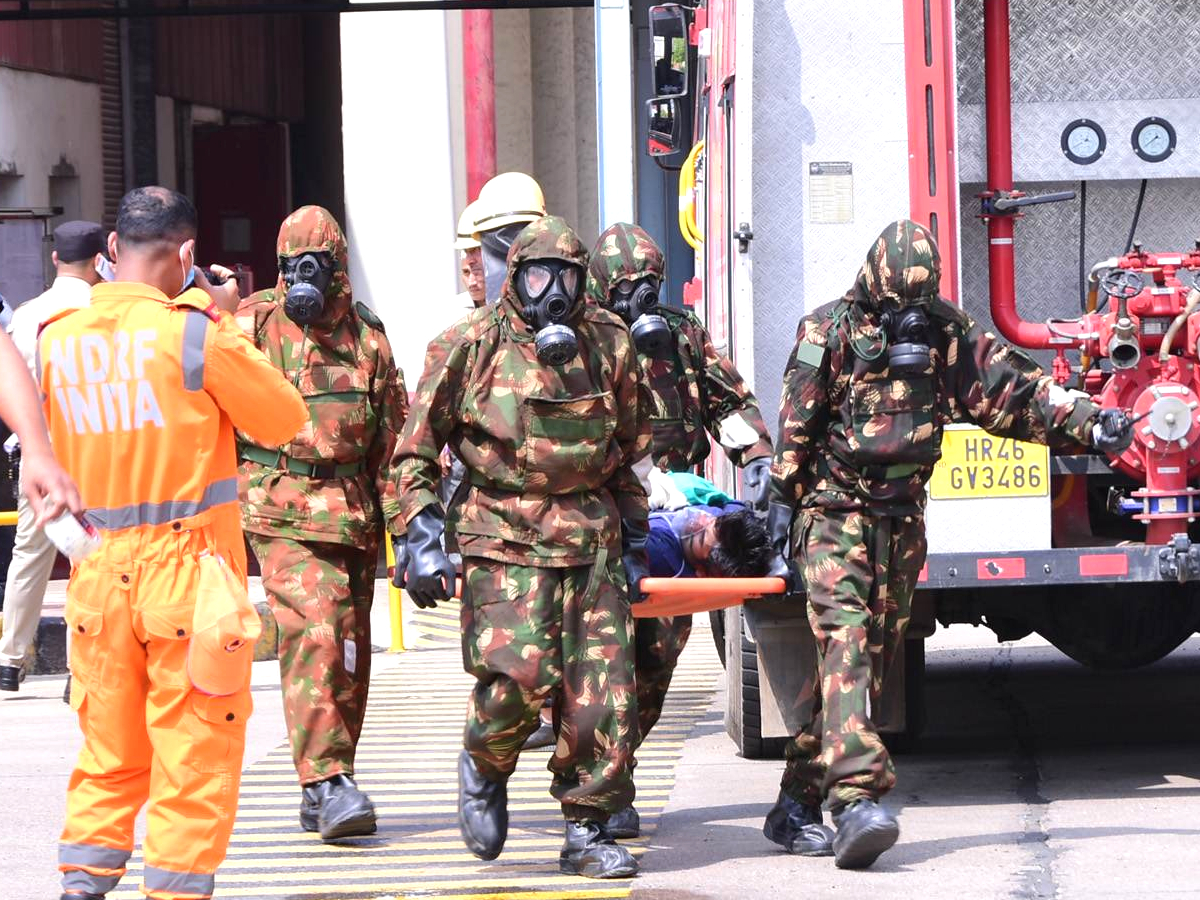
{"x":407,"y":763}
{"x":396,"y":879}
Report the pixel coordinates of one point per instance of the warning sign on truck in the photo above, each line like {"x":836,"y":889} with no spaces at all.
{"x":830,"y":192}
{"x":976,"y":464}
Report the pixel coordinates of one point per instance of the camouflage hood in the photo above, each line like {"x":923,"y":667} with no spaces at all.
{"x":546,"y":238}
{"x":903,"y":265}
{"x":313,"y":229}
{"x":623,"y":253}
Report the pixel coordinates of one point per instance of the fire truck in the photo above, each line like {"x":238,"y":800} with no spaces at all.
{"x":1053,"y":148}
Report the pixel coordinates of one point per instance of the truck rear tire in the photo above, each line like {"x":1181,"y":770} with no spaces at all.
{"x":1121,"y":626}
{"x":743,"y":714}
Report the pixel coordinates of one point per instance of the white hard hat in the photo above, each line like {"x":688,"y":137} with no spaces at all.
{"x":508,"y":199}
{"x":465,"y":239}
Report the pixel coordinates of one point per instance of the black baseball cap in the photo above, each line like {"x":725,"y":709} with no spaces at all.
{"x":76,"y":241}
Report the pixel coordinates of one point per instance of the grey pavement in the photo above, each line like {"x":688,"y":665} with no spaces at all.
{"x":1036,"y":778}
{"x":40,"y":738}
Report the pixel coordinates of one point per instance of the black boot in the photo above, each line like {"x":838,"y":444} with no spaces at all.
{"x":624,"y":823}
{"x":543,"y":737}
{"x":337,"y":809}
{"x":82,"y":897}
{"x":10,"y":678}
{"x":798,"y":828}
{"x":482,"y":810}
{"x":590,"y":851}
{"x":864,"y":831}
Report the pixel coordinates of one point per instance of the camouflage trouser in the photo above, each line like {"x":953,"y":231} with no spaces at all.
{"x":321,"y":596}
{"x":859,"y":571}
{"x":532,"y":633}
{"x":659,"y":643}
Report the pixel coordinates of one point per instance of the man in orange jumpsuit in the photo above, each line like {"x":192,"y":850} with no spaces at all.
{"x":143,"y":391}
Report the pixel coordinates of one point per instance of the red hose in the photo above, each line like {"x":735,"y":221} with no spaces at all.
{"x":1002,"y":280}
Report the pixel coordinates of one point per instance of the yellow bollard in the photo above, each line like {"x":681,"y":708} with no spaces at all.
{"x":8,"y":519}
{"x":395,"y":602}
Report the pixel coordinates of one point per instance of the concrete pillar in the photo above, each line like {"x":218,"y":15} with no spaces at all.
{"x":552,"y":51}
{"x":514,"y":102}
{"x":399,"y":175}
{"x":587,"y":182}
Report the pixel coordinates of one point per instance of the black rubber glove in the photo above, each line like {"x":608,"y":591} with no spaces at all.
{"x":634,"y":557}
{"x":779,"y":527}
{"x":756,"y":483}
{"x":429,"y":576}
{"x":1113,"y":432}
{"x":400,"y":559}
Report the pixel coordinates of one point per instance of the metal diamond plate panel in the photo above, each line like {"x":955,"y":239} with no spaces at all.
{"x":1037,"y":134}
{"x":1109,"y":61}
{"x":1070,"y":50}
{"x":1047,"y":240}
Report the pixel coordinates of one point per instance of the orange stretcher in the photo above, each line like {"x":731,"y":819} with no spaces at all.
{"x":679,"y":596}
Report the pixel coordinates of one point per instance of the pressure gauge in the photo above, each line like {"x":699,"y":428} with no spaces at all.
{"x":1083,"y":141}
{"x":1153,"y":139}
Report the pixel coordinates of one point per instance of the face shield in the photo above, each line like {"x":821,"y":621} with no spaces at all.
{"x":495,"y":246}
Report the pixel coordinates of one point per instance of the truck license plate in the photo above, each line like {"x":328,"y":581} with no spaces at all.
{"x":975,"y":464}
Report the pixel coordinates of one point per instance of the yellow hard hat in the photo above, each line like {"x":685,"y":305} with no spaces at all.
{"x":508,"y":199}
{"x":465,"y":239}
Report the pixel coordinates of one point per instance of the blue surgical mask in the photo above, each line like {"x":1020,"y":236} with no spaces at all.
{"x":189,"y":278}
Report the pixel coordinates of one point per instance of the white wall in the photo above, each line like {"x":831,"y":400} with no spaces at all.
{"x":44,"y":119}
{"x":399,"y":175}
{"x":454,"y":85}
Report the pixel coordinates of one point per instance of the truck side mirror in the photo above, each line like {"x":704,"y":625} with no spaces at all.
{"x":669,"y":30}
{"x":665,"y":126}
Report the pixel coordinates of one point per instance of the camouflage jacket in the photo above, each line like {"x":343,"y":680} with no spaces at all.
{"x":694,"y":388}
{"x":548,"y":450}
{"x":852,"y":436}
{"x":357,"y":403}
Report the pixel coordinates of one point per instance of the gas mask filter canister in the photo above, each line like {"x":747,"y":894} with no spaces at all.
{"x":308,"y":277}
{"x":549,"y":290}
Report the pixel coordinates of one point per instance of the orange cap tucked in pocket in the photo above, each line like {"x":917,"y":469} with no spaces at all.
{"x":224,"y":628}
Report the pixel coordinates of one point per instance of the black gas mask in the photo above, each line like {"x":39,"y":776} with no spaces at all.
{"x":637,"y":303}
{"x":307,"y":277}
{"x":550,"y":291}
{"x":907,"y":329}
{"x":495,"y":246}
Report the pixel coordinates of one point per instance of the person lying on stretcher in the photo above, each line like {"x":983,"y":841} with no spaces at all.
{"x":713,"y":536}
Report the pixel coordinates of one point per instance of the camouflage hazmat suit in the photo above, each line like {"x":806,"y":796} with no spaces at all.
{"x":549,"y":454}
{"x":315,"y":513}
{"x":856,"y":447}
{"x":693,"y":389}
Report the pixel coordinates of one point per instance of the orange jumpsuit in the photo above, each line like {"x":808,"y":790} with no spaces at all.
{"x":142,"y":397}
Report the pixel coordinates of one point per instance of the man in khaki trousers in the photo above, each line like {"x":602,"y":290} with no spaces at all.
{"x":77,"y":250}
